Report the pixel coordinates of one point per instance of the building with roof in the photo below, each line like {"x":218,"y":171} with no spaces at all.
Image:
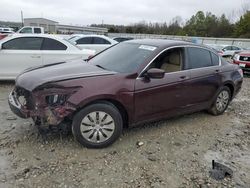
{"x":51,"y":26}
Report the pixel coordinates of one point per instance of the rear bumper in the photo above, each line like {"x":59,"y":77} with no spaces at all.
{"x":16,"y":107}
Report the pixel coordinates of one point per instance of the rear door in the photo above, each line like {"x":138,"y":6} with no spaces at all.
{"x":205,"y":75}
{"x":18,"y":54}
{"x":54,"y":51}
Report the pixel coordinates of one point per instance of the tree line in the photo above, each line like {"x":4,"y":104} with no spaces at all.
{"x":201,"y":24}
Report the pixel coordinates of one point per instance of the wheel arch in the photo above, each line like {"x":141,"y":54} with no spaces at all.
{"x":123,"y":111}
{"x":230,"y":85}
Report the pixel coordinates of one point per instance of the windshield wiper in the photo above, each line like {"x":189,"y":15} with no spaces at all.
{"x":101,"y":67}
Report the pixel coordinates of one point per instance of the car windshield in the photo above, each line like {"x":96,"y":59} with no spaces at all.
{"x":124,"y":57}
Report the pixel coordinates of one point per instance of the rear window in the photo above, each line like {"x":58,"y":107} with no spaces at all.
{"x":98,"y":40}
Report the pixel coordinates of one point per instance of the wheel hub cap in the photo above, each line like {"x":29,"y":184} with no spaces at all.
{"x":222,"y":101}
{"x":97,"y":126}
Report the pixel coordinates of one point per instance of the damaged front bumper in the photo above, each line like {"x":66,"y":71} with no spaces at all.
{"x":37,"y":107}
{"x":16,"y":106}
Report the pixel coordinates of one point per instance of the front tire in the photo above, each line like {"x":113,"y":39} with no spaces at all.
{"x":221,"y":102}
{"x":97,"y":125}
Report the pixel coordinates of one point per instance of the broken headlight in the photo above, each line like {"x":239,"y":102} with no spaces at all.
{"x":57,"y":99}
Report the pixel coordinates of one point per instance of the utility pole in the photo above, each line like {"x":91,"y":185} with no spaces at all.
{"x":22,"y":18}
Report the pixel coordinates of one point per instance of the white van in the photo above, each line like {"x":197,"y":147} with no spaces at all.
{"x":31,"y":29}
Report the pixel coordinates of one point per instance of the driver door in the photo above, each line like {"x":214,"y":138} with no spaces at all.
{"x":158,"y":98}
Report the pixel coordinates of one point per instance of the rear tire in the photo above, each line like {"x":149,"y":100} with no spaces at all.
{"x":221,"y":102}
{"x":97,"y":125}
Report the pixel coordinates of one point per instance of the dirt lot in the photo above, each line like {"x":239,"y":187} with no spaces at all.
{"x":174,"y":153}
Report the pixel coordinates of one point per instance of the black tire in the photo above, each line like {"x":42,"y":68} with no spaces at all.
{"x":98,"y":126}
{"x":215,"y":110}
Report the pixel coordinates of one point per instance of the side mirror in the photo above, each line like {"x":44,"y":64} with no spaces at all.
{"x":155,"y":73}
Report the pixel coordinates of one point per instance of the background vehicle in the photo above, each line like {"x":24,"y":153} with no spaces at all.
{"x":18,"y":52}
{"x":225,"y":50}
{"x":31,"y":29}
{"x":6,"y":30}
{"x":133,"y":82}
{"x":93,"y":42}
{"x":122,"y":39}
{"x":243,"y":60}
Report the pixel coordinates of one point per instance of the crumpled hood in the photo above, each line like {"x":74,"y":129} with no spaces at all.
{"x":34,"y":77}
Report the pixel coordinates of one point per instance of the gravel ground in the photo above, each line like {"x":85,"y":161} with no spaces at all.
{"x":173,"y":153}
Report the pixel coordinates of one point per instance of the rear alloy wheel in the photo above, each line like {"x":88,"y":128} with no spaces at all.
{"x":97,"y":125}
{"x":221,"y":102}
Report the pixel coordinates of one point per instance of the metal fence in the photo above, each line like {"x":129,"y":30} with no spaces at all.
{"x":245,"y":43}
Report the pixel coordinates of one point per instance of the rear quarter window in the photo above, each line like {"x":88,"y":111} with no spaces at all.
{"x":215,"y":59}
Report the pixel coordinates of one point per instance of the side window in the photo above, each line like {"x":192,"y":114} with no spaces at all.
{"x":23,"y":43}
{"x":51,"y":44}
{"x":170,"y":60}
{"x":235,"y":48}
{"x":26,"y":30}
{"x":85,"y":40}
{"x":98,"y":40}
{"x":198,"y":58}
{"x":228,"y":48}
{"x":37,"y":30}
{"x":215,"y":58}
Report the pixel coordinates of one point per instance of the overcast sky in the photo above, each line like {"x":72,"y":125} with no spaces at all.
{"x":124,"y":12}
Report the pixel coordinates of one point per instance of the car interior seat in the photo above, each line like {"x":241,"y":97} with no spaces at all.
{"x":171,"y":63}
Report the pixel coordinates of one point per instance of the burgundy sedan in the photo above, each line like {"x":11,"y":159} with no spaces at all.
{"x":133,"y":82}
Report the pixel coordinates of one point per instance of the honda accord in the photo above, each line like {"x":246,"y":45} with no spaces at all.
{"x":128,"y":84}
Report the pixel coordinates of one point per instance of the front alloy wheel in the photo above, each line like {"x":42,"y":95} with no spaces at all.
{"x":97,"y":125}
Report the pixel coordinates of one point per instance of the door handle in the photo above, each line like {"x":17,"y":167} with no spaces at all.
{"x":217,"y":70}
{"x":183,"y":77}
{"x":35,"y":56}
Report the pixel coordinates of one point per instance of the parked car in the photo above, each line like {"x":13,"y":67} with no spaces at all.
{"x":225,"y":50}
{"x":94,"y":42}
{"x":133,"y":82}
{"x":122,"y":39}
{"x":243,"y":60}
{"x":6,"y":30}
{"x":31,"y":29}
{"x":18,"y":52}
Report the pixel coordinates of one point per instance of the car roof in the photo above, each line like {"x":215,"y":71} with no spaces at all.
{"x":16,"y":35}
{"x":162,"y":43}
{"x":101,"y":36}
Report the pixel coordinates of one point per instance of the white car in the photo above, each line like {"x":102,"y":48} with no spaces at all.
{"x":225,"y":50}
{"x":21,"y":51}
{"x":93,"y":42}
